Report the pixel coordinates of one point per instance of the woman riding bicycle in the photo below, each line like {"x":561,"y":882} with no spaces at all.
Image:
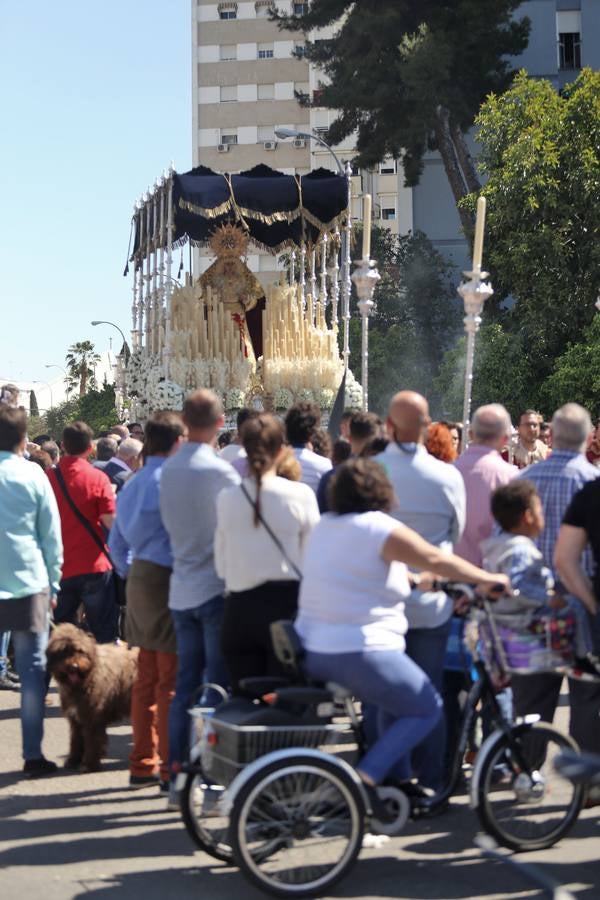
{"x":351,"y":612}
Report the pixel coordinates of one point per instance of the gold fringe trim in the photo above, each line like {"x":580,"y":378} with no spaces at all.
{"x":204,"y":211}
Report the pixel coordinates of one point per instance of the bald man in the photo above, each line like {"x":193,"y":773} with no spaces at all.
{"x":430,"y":498}
{"x":483,"y":470}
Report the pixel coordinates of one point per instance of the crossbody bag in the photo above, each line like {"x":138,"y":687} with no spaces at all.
{"x":271,"y":533}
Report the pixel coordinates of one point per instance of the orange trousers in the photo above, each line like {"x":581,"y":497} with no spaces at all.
{"x":151,"y":697}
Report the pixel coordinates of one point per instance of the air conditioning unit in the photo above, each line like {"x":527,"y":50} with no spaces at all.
{"x":223,"y":148}
{"x":270,"y":145}
{"x":299,"y":143}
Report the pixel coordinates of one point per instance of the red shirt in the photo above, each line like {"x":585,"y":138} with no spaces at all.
{"x":92,"y":494}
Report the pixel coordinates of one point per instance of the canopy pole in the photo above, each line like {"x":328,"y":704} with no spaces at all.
{"x":303,"y":275}
{"x":323,"y":289}
{"x":292,"y":267}
{"x":148,"y":296}
{"x":346,"y":268}
{"x":313,"y":282}
{"x":169,"y":286}
{"x":161,"y":267}
{"x":335,"y":280}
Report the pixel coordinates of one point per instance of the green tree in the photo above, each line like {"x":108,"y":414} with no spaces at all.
{"x":60,"y":415}
{"x":576,"y":374}
{"x":81,"y":359}
{"x":34,"y":409}
{"x":409,"y":76}
{"x":415,"y":321}
{"x":540,"y":152}
{"x":98,"y":409}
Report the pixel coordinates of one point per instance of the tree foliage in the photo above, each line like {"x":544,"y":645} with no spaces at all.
{"x":80,"y":359}
{"x":415,"y":321}
{"x":34,"y":409}
{"x":408,"y":76}
{"x":97,"y":408}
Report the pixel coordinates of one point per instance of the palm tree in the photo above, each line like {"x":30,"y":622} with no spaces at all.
{"x":80,"y":359}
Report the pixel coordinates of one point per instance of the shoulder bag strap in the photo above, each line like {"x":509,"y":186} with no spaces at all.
{"x":80,"y":517}
{"x":271,"y":533}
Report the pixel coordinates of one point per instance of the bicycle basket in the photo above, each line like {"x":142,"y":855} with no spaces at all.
{"x":546,"y":644}
{"x":227,"y":748}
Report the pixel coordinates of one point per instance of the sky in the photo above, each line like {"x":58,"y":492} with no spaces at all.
{"x":95,"y":102}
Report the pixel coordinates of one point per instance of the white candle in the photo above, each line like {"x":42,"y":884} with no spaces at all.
{"x":366,"y":247}
{"x":479,"y":229}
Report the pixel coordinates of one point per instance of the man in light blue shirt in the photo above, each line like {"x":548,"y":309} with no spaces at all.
{"x":30,"y":569}
{"x":190,"y":483}
{"x":430,"y":499}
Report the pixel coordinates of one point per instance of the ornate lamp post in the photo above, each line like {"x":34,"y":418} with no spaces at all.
{"x":365,"y":278}
{"x":474,"y":292}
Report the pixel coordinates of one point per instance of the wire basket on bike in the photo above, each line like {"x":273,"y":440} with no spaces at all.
{"x":545,"y":644}
{"x":227,"y":748}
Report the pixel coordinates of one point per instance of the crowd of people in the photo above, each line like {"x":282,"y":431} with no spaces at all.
{"x":188,"y":542}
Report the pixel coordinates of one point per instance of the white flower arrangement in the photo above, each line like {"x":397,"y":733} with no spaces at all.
{"x":167,"y":395}
{"x":282,"y":398}
{"x":354,"y":392}
{"x":234,"y":399}
{"x":324,"y":398}
{"x":306,"y":396}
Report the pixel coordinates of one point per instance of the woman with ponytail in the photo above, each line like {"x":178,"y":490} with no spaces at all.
{"x":262,"y":528}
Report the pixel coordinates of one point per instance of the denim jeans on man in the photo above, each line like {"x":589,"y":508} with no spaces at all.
{"x":427,"y":648}
{"x":30,"y":659}
{"x":198,"y":633}
{"x":4,"y":642}
{"x":97,"y":594}
{"x":407,"y":703}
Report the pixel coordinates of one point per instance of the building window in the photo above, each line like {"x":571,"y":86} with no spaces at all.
{"x":227,"y":94}
{"x":388,"y":167}
{"x":229,"y":137}
{"x":317,"y":97}
{"x":266,"y":92}
{"x":265,"y":51}
{"x":388,"y":212}
{"x":569,"y":50}
{"x":228,"y":13}
{"x":300,"y":9}
{"x":262,"y":8}
{"x":228,"y":51}
{"x":299,"y":50}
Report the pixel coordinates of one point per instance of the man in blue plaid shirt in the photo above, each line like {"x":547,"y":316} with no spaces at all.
{"x":557,"y":480}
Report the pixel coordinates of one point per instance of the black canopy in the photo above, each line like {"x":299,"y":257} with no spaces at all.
{"x":277,"y":210}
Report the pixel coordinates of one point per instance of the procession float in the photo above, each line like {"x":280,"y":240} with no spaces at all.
{"x":262,"y":346}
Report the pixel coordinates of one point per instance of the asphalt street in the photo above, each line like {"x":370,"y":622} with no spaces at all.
{"x":89,"y":836}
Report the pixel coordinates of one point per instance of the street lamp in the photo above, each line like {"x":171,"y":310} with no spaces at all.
{"x":103,"y":322}
{"x":62,"y":369}
{"x":49,"y":388}
{"x":285,"y":133}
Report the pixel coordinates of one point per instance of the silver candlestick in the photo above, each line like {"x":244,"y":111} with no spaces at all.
{"x":365,"y":278}
{"x":474,"y":292}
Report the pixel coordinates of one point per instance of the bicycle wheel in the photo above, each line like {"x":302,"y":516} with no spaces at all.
{"x":297,"y":826}
{"x":521,"y":801}
{"x":202,"y":818}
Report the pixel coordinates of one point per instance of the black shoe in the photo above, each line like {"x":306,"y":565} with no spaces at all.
{"x":142,"y":781}
{"x":378,"y":808}
{"x":587,"y":665}
{"x":164,"y":787}
{"x":12,"y":676}
{"x":37,"y":768}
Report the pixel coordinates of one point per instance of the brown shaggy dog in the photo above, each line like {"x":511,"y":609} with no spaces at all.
{"x":94,"y":683}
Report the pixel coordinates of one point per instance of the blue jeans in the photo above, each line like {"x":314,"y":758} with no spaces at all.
{"x":97,"y":593}
{"x":198,"y":635}
{"x":408,"y":706}
{"x":427,"y":648}
{"x":4,"y":642}
{"x":30,"y":659}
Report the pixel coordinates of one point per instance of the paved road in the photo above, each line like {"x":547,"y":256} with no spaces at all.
{"x":89,"y":836}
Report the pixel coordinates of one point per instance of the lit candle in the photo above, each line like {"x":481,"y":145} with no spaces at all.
{"x":479,"y":229}
{"x":366,"y":247}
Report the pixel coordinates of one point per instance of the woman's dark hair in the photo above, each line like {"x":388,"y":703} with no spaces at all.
{"x":377,"y":445}
{"x":262,"y":438}
{"x":360,"y":485}
{"x":163,"y":429}
{"x":321,"y":443}
{"x":341,"y":451}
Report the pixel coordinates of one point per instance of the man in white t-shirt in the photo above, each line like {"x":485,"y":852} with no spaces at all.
{"x":301,"y":423}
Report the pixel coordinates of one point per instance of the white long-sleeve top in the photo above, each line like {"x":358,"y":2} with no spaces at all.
{"x":245,"y":554}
